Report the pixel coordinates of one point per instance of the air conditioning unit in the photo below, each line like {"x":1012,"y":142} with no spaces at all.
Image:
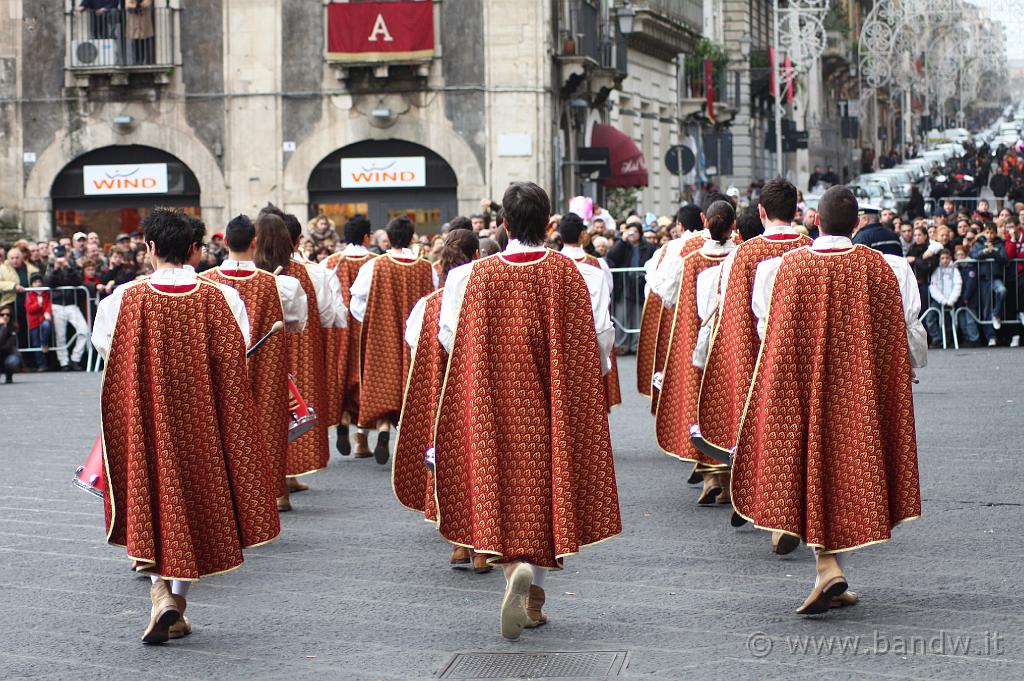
{"x":98,"y":52}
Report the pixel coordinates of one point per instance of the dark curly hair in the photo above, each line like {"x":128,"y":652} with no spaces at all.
{"x":460,"y":247}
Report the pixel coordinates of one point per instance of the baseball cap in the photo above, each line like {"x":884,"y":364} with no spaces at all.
{"x":78,"y":235}
{"x":217,"y":235}
{"x":123,"y":236}
{"x":733,"y":192}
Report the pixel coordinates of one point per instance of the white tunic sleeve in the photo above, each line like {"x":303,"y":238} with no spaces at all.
{"x":650,"y":270}
{"x":608,"y":279}
{"x":361,"y":290}
{"x":451,"y":304}
{"x":237,"y":311}
{"x":917,"y":337}
{"x":726,"y":271}
{"x":294,"y":302}
{"x":707,"y":304}
{"x":106,"y":319}
{"x":414,"y":324}
{"x":666,"y":281}
{"x":764,"y":281}
{"x":340,"y":311}
{"x":600,"y":300}
{"x":325,"y":302}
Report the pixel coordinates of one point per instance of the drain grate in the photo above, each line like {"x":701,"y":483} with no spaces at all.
{"x":554,"y":665}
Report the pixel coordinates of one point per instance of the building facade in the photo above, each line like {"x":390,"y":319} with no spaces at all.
{"x":221,"y":106}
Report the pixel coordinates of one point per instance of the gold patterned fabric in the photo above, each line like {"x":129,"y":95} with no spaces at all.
{"x":307,"y":364}
{"x":612,"y":392}
{"x":677,"y":407}
{"x":734,"y":343}
{"x":412,"y":482}
{"x":384,"y":357}
{"x":827,"y":446}
{"x":665,"y":323}
{"x":268,"y":366}
{"x":186,"y":467}
{"x":523,"y":456}
{"x":343,"y":344}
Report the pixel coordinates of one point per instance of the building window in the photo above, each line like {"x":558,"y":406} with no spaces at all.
{"x":106,"y":36}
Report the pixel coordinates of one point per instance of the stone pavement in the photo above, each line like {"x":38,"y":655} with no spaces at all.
{"x":358,"y":588}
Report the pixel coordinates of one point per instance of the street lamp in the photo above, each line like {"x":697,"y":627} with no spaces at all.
{"x":745,"y":45}
{"x":625,"y":16}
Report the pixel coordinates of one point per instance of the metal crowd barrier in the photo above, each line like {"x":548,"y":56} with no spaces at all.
{"x":628,"y":301}
{"x":82,"y":295}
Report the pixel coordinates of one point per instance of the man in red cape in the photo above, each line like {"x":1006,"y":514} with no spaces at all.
{"x":383,"y":294}
{"x":599,"y":283}
{"x":524,"y":468}
{"x":185,"y":462}
{"x":827,"y":448}
{"x":345,"y":356}
{"x":268,"y":299}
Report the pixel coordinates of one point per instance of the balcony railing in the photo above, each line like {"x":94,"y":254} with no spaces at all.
{"x":137,"y":36}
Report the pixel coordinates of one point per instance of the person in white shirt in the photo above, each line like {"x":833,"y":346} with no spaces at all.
{"x":187,"y":488}
{"x":944,"y":289}
{"x":383,"y":294}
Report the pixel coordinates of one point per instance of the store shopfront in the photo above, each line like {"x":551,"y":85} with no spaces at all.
{"x":112,"y":189}
{"x":383,"y":179}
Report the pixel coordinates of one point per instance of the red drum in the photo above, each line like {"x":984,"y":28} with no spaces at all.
{"x":303,"y":417}
{"x":90,"y":477}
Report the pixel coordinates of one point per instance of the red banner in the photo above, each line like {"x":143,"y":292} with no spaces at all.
{"x":380,"y":31}
{"x":709,"y":88}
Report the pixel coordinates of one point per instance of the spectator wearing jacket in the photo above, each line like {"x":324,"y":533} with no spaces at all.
{"x":39,"y":312}
{"x":922,"y":260}
{"x":10,"y":358}
{"x":944,"y":293}
{"x":990,"y":253}
{"x":62,"y":272}
{"x":968,"y":296}
{"x":1014,"y":244}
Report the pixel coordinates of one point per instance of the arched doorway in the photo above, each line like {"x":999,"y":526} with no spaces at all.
{"x":383,"y":179}
{"x":110,"y":190}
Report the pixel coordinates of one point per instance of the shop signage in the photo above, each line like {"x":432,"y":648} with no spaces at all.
{"x":383,"y":172}
{"x":380,"y":31}
{"x":135,"y":178}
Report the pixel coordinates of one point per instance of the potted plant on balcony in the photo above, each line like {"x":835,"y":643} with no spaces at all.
{"x":706,"y":49}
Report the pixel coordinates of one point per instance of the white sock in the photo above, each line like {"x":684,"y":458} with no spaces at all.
{"x":539,"y":574}
{"x":179,"y":588}
{"x":154,"y":578}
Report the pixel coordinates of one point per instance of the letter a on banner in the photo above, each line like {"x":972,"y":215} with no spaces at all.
{"x":380,"y":28}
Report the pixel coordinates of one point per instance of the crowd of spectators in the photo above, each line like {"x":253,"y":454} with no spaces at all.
{"x":969,"y":265}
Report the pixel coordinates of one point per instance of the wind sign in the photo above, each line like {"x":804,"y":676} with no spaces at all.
{"x":137,"y":178}
{"x":383,"y":172}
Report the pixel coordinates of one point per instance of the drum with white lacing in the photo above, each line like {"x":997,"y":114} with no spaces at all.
{"x":302,"y":417}
{"x":91,"y":477}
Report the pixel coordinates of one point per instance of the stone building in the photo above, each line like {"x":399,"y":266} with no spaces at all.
{"x":222,"y":105}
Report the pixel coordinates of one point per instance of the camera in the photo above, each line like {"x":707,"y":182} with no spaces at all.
{"x":60,"y":251}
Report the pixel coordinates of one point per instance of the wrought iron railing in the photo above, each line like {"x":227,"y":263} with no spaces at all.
{"x":138,"y":35}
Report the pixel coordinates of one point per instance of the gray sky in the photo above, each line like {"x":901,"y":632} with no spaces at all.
{"x":1011,"y":14}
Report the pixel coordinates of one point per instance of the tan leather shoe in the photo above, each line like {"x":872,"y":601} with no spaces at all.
{"x":783,"y":544}
{"x":284,"y":504}
{"x":362,"y":450}
{"x":712,"y":488}
{"x":513,"y":606}
{"x":182,"y":627}
{"x":831,"y":584}
{"x":844,"y":599}
{"x":460,"y":556}
{"x":295,"y":486}
{"x":162,"y":615}
{"x":480,"y":564}
{"x":533,"y":608}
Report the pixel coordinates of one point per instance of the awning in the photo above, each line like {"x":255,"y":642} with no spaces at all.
{"x":628,"y":168}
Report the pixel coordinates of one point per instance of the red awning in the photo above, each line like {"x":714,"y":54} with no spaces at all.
{"x":628,"y":168}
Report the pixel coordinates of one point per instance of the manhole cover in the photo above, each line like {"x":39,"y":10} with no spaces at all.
{"x":557,"y":665}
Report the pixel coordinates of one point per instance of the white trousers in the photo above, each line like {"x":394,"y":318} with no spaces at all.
{"x":62,"y":316}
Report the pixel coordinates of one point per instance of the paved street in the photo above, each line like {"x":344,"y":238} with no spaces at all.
{"x":358,"y":588}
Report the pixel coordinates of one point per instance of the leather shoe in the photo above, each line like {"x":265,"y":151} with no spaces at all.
{"x":381,"y":453}
{"x":480,"y":564}
{"x":533,"y":608}
{"x":284,"y":504}
{"x":362,"y":450}
{"x":342,"y":443}
{"x":461,"y":556}
{"x":182,"y":627}
{"x":831,"y":584}
{"x":514,"y":616}
{"x":295,"y":486}
{"x":783,"y":544}
{"x":844,"y":599}
{"x":162,"y":615}
{"x":710,"y":492}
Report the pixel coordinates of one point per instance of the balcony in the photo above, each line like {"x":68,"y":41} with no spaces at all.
{"x":664,"y":28}
{"x":117,"y":43}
